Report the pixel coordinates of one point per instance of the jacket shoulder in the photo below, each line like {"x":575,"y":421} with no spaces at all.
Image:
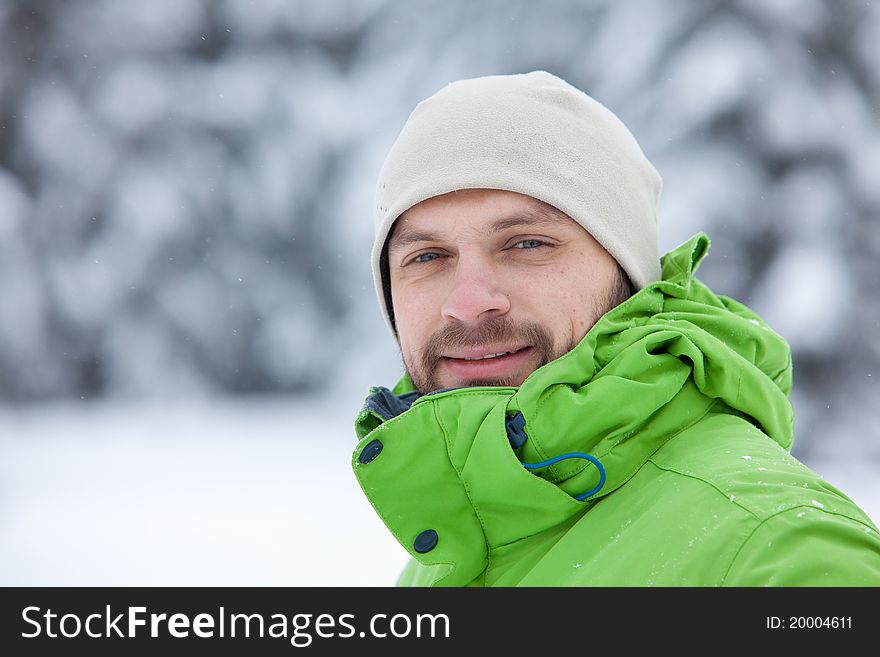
{"x":803,"y":532}
{"x":807,"y":546}
{"x":740,"y":462}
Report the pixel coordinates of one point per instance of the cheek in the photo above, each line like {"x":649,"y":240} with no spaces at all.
{"x":565,"y":304}
{"x":412,"y":316}
{"x":584,"y":305}
{"x":552,"y":302}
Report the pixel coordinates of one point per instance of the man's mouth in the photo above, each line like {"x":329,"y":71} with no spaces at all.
{"x":488,"y":364}
{"x":485,"y":353}
{"x":500,"y":352}
{"x":503,"y":353}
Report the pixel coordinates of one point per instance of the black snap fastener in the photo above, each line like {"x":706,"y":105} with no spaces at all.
{"x":371,"y":451}
{"x":426,"y":541}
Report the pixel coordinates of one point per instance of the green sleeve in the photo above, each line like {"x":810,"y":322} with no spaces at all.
{"x":808,"y":546}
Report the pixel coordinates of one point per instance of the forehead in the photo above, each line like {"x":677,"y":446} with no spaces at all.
{"x":481,"y":211}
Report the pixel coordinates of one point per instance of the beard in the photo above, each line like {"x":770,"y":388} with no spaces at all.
{"x":424,"y":371}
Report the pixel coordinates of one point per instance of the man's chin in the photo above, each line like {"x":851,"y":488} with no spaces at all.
{"x":492,"y":384}
{"x":431,"y":389}
{"x":497,"y":382}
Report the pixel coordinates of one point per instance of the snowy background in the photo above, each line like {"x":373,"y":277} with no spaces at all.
{"x":187,"y":319}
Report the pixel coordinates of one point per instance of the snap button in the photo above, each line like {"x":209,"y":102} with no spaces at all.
{"x":426,"y":541}
{"x":371,"y":451}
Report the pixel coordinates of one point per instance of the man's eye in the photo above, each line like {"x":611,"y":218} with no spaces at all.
{"x":425,"y":257}
{"x":528,"y":244}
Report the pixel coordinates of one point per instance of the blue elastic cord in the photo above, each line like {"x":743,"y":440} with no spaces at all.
{"x":573,"y":455}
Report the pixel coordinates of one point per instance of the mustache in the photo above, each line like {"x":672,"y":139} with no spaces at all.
{"x":499,"y":329}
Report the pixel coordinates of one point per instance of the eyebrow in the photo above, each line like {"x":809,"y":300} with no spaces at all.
{"x":531,"y":217}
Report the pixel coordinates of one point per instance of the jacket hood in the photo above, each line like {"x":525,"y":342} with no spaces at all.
{"x":648,"y":369}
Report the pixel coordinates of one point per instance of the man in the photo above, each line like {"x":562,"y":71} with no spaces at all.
{"x":575,"y":410}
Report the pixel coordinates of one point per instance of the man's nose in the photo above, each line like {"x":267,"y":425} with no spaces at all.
{"x":476,"y":293}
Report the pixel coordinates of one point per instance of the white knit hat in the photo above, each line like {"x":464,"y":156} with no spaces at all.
{"x":534,"y":134}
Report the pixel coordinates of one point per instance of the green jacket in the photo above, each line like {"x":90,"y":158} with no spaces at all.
{"x":682,"y":397}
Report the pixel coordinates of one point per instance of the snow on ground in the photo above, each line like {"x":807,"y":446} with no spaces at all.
{"x":251,"y":493}
{"x":256,"y":493}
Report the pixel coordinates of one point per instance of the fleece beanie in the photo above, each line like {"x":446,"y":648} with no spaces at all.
{"x":534,"y":134}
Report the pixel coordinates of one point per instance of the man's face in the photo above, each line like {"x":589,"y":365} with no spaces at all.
{"x":489,"y":285}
